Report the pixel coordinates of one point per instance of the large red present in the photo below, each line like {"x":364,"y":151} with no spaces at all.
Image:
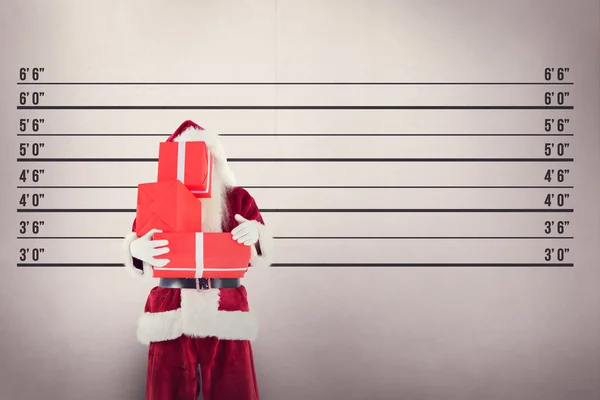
{"x":188,"y":162}
{"x":202,"y":255}
{"x":168,"y":206}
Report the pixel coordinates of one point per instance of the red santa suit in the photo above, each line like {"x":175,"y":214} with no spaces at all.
{"x":198,"y":336}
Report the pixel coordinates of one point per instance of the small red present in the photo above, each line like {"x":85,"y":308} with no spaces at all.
{"x":168,"y":206}
{"x":188,"y":162}
{"x":203,"y":255}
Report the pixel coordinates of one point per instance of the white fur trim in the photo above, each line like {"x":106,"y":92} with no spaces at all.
{"x":157,"y":327}
{"x":198,"y":316}
{"x":265,"y":241}
{"x":128,"y":259}
{"x":201,"y":317}
{"x":213,"y":141}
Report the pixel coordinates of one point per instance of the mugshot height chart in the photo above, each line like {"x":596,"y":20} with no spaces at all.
{"x":430,"y":172}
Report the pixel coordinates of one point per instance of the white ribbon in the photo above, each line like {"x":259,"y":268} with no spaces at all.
{"x":199,"y":254}
{"x":181,"y":161}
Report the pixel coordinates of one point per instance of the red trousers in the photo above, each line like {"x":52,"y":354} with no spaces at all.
{"x":184,"y":368}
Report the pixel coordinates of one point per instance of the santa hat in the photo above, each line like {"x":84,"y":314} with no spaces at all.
{"x":189,"y":131}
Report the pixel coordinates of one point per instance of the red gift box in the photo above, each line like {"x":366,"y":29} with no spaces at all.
{"x":202,"y":255}
{"x":188,"y":162}
{"x":168,"y":206}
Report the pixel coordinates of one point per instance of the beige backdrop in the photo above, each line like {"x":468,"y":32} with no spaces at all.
{"x":348,"y":332}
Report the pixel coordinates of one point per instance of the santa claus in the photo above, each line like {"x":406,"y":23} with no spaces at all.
{"x":199,"y":330}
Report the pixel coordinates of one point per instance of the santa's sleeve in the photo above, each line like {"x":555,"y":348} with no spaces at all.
{"x":262,"y":252}
{"x":133,"y":265}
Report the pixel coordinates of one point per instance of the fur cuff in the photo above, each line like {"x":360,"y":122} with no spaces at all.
{"x":265,"y":242}
{"x":128,"y":259}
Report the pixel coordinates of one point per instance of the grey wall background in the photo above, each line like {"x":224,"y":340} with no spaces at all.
{"x":328,"y":333}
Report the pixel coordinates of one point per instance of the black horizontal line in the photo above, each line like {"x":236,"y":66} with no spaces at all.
{"x":318,"y":187}
{"x":421,"y":237}
{"x":70,"y":237}
{"x":422,"y":265}
{"x":323,"y":210}
{"x":440,"y":83}
{"x":331,"y":265}
{"x":330,"y":237}
{"x":413,"y":210}
{"x":69,"y":265}
{"x":93,"y":134}
{"x":341,"y":135}
{"x":240,"y":160}
{"x":363,"y":107}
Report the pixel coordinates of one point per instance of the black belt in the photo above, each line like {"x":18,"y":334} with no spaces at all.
{"x":200,"y":283}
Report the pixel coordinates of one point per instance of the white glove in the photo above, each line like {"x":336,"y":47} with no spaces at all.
{"x":246,"y":232}
{"x":145,"y":249}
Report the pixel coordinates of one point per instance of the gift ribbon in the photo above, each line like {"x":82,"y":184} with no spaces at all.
{"x":181,"y":161}
{"x":199,"y":254}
